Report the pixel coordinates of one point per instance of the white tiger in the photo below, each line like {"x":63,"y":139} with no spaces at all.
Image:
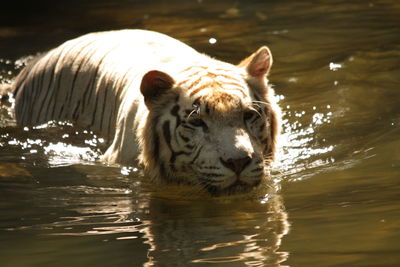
{"x":184,"y":116}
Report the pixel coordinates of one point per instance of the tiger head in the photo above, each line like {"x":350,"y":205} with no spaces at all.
{"x":214,"y":125}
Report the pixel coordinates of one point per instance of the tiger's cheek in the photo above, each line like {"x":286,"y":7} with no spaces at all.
{"x":185,"y":138}
{"x":259,"y":132}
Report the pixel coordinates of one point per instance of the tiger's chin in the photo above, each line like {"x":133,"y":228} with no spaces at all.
{"x":238,"y":187}
{"x":234,"y":187}
{"x":231,"y":185}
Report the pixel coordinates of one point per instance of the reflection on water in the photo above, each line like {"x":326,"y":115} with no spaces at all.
{"x":215,"y":232}
{"x":178,"y":230}
{"x":333,"y":200}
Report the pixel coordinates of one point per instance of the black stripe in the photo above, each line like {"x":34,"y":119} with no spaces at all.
{"x":25,"y":101}
{"x":34,"y":94}
{"x":254,"y":119}
{"x":167,"y":137}
{"x":92,"y":82}
{"x":61,"y":110}
{"x":120,"y":84}
{"x":156,"y":152}
{"x":187,"y":127}
{"x":69,"y":93}
{"x":155,"y":144}
{"x":197,"y":155}
{"x":110,"y":120}
{"x":167,"y":134}
{"x":52,"y":80}
{"x":57,"y":91}
{"x":207,"y":109}
{"x":104,"y":107}
{"x":90,"y":88}
{"x":21,"y":77}
{"x":175,"y":112}
{"x":40,"y":87}
{"x":75,"y":113}
{"x":189,"y":147}
{"x":58,"y":78}
{"x":47,"y":92}
{"x":77,"y":72}
{"x":184,"y":138}
{"x":114,"y":108}
{"x":95,"y":108}
{"x":36,"y":89}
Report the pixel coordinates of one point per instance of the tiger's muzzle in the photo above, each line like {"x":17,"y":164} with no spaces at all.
{"x":236,"y":165}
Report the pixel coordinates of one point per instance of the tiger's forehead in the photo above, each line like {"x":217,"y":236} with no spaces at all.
{"x":218,"y":90}
{"x":221,"y":88}
{"x":220,"y":103}
{"x":220,"y":77}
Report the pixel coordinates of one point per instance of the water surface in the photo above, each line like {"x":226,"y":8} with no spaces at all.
{"x":334,"y":197}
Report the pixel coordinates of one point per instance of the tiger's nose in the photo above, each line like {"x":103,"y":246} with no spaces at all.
{"x":236,"y":165}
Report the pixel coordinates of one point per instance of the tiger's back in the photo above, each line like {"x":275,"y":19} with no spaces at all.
{"x":86,"y":80}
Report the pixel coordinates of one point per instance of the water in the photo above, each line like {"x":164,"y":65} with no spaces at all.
{"x":334,"y":199}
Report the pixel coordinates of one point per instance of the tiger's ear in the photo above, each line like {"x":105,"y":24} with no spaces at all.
{"x":154,"y":84}
{"x":259,"y":63}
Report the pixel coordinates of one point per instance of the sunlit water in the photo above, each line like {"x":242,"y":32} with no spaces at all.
{"x":334,"y":195}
